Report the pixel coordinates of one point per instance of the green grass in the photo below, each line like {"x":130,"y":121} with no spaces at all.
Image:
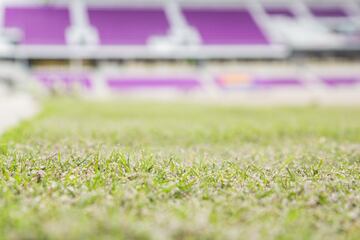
{"x":84,"y":170}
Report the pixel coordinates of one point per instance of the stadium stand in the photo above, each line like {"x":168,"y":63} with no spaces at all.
{"x":247,"y":81}
{"x":135,"y":83}
{"x":171,"y":29}
{"x":161,"y":30}
{"x":195,"y":32}
{"x":271,"y":82}
{"x":134,"y":26}
{"x":38,"y":25}
{"x":281,"y":11}
{"x":225,"y":26}
{"x":341,"y":81}
{"x":328,"y":12}
{"x":64,"y":80}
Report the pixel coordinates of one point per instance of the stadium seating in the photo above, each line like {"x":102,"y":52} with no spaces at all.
{"x":137,"y":83}
{"x":279,"y":12}
{"x":277,"y":81}
{"x":128,"y":26}
{"x":64,"y":80}
{"x":247,"y":81}
{"x":328,"y":12}
{"x":225,"y":26}
{"x":340,"y":81}
{"x":189,"y":31}
{"x":39,"y":25}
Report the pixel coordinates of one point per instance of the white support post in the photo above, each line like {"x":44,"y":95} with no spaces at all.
{"x":174,"y":15}
{"x":302,"y":10}
{"x":262,"y":19}
{"x":78,"y":13}
{"x":80,"y":31}
{"x":180,"y":32}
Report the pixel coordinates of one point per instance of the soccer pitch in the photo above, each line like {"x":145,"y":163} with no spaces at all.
{"x":91,"y":170}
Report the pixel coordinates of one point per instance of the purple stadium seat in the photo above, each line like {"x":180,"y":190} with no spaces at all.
{"x":39,"y":25}
{"x":279,"y":11}
{"x":128,"y":26}
{"x":225,"y":26}
{"x":334,"y":12}
{"x":272,"y":82}
{"x":123,"y":84}
{"x":65,"y":80}
{"x":246,"y":81}
{"x":349,"y":81}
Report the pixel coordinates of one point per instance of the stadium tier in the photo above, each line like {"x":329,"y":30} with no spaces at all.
{"x":225,"y":26}
{"x":38,"y":25}
{"x":342,"y":81}
{"x":64,"y":80}
{"x":128,"y":26}
{"x":68,"y":81}
{"x":247,"y":81}
{"x":328,"y":12}
{"x":173,"y":30}
{"x":271,"y":82}
{"x":279,"y":11}
{"x":136,"y":83}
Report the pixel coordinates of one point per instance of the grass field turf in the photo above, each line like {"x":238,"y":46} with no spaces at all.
{"x":85,"y":170}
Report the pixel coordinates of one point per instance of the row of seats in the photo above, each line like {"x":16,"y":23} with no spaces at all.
{"x":318,"y":12}
{"x":127,"y":26}
{"x":265,"y":82}
{"x":53,"y":80}
{"x":135,"y":26}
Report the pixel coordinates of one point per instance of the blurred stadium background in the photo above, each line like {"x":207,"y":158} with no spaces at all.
{"x":253,"y":52}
